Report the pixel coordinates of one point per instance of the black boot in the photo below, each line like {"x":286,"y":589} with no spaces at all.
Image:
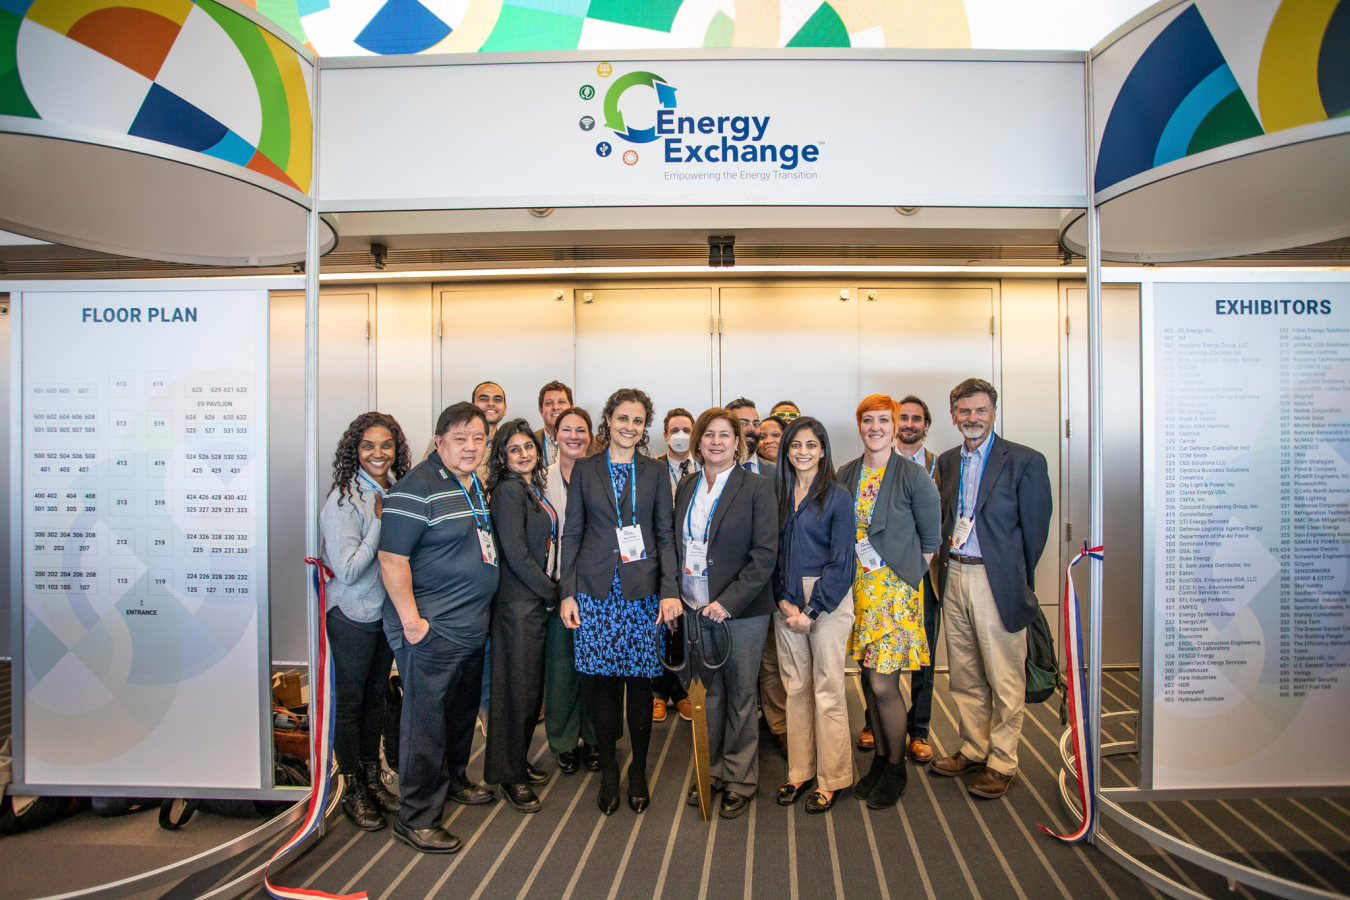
{"x":864,"y":786}
{"x":889,"y":789}
{"x":356,"y":803}
{"x":379,"y":794}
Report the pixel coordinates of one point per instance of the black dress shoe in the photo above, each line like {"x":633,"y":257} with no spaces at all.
{"x":820,"y":802}
{"x":639,"y":798}
{"x":692,"y":797}
{"x":522,"y":797}
{"x":789,"y":793}
{"x":608,"y":804}
{"x":535,"y":776}
{"x":473,"y":795}
{"x":590,"y":753}
{"x":427,"y":840}
{"x":568,"y":763}
{"x":862,"y":789}
{"x":733,"y":805}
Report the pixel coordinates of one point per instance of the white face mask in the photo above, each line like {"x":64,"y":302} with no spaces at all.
{"x":679,"y":442}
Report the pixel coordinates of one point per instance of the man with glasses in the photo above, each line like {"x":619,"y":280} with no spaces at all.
{"x":785,"y":409}
{"x":995,"y":522}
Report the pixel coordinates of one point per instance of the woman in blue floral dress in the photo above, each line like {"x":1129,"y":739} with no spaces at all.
{"x":619,"y":580}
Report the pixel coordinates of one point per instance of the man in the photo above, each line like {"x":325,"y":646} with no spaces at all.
{"x":677,"y":431}
{"x":554,"y":399}
{"x":745,"y":411}
{"x":438,"y":561}
{"x":785,"y":409}
{"x":490,"y":397}
{"x":995,"y":521}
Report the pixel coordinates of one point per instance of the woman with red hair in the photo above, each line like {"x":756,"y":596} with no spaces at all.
{"x":898,"y":529}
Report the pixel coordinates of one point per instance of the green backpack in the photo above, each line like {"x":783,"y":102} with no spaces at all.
{"x":1043,"y":678}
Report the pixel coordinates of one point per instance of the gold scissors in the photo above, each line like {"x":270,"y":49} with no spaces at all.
{"x":696,"y":643}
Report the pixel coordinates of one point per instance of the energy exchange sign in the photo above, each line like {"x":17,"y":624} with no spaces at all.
{"x":692,"y":139}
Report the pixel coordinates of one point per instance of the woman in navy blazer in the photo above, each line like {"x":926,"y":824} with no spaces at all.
{"x":618,"y":558}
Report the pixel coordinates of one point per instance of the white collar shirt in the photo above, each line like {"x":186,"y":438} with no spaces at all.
{"x":698,"y":521}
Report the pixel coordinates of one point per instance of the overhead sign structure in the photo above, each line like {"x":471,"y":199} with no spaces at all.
{"x":142,"y":479}
{"x":713,"y":131}
{"x":1247,"y":554}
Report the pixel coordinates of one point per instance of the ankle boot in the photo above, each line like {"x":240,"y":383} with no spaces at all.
{"x":379,"y":794}
{"x":357,"y":805}
{"x":866,"y":784}
{"x":890,"y":787}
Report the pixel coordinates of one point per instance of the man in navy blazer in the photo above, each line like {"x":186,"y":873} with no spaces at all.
{"x":995,"y":520}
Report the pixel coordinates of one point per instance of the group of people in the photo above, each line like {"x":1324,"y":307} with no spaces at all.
{"x":583,"y":563}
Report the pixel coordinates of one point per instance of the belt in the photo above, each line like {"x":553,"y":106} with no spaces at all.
{"x":966,"y":560}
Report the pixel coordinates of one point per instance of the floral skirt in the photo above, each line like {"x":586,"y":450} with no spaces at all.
{"x":618,"y":636}
{"x":888,"y":633}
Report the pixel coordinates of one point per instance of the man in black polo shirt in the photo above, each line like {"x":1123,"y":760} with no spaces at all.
{"x":439,"y":562}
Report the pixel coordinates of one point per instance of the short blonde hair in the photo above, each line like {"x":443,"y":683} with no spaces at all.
{"x":705,"y":422}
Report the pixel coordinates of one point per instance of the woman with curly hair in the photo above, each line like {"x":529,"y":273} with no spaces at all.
{"x":618,"y":558}
{"x":371,"y":455}
{"x":527,"y":535}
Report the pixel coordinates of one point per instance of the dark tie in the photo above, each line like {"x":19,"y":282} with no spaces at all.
{"x":748,"y":465}
{"x":684,"y":468}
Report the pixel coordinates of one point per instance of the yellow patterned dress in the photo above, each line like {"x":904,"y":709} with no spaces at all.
{"x":888,"y":630}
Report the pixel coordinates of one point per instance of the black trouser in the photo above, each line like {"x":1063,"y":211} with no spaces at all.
{"x":667,"y":686}
{"x":361,"y":663}
{"x":921,"y":680}
{"x":518,"y":630}
{"x":441,"y":683}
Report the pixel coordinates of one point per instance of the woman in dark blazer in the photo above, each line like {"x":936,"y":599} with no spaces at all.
{"x":618,"y":581}
{"x":527,"y":528}
{"x":728,"y":516}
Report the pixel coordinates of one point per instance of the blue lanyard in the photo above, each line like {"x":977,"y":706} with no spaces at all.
{"x":632,"y":483}
{"x":961,"y":509}
{"x":689,"y":516}
{"x":370,"y":482}
{"x":480,"y":516}
{"x":552,"y":513}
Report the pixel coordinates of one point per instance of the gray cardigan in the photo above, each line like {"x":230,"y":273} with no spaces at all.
{"x":349,"y":536}
{"x":907,"y":518}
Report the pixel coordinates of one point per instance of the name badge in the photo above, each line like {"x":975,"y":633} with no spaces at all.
{"x":961,"y":534}
{"x":696,"y":557}
{"x":631,"y":547}
{"x":867,"y":555}
{"x":489,"y":548}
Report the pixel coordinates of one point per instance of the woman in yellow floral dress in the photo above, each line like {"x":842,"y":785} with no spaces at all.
{"x":898,"y":530}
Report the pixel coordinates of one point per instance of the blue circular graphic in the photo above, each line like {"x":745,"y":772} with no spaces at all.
{"x":603,"y":148}
{"x":587,"y":123}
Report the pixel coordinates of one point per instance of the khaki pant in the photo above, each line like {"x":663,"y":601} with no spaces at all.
{"x":772,"y":694}
{"x":987,"y":665}
{"x":812,"y":665}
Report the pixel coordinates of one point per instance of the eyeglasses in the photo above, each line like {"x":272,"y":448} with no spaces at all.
{"x":787,"y":415}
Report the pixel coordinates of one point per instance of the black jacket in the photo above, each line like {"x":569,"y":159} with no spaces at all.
{"x":522,"y":539}
{"x":591,"y":544}
{"x":1012,"y":520}
{"x":907,"y":517}
{"x":742,"y":541}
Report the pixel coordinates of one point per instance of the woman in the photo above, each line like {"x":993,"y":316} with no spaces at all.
{"x":568,"y":715}
{"x":618,"y":552}
{"x":527,"y":535}
{"x":813,"y":623}
{"x":898,"y":527}
{"x":371,"y":455}
{"x":770,"y":436}
{"x":727,"y":545}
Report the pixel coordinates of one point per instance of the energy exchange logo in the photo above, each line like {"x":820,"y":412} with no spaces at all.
{"x":741,"y":138}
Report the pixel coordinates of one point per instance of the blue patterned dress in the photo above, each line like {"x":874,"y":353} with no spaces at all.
{"x":617,"y":635}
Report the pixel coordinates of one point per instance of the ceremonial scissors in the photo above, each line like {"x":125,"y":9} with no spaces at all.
{"x":697,"y":630}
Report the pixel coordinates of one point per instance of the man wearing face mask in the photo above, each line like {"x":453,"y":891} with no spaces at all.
{"x":679,"y":425}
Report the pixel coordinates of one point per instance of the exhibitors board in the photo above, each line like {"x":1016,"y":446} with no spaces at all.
{"x":1247,"y":534}
{"x":143,"y":538}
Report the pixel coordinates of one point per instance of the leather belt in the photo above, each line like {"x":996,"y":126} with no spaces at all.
{"x":966,"y":560}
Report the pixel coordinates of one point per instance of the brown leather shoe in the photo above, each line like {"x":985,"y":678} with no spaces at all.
{"x":956,"y":764}
{"x":658,"y":709}
{"x":686,"y":709}
{"x":920,"y":750}
{"x":991,"y":784}
{"x":865,"y":740}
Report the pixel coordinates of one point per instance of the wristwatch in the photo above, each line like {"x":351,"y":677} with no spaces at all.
{"x":811,"y":613}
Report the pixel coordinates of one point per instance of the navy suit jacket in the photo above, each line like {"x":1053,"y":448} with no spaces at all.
{"x":1012,"y":520}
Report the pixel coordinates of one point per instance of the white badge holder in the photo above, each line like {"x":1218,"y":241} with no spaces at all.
{"x":961,"y":533}
{"x":631,"y":546}
{"x":489,"y":548}
{"x":696,"y":557}
{"x":867,"y":555}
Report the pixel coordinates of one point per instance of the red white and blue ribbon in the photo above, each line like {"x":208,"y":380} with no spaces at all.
{"x":321,"y":732}
{"x":1076,"y":668}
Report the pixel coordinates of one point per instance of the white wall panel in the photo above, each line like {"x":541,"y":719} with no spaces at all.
{"x":405,"y":360}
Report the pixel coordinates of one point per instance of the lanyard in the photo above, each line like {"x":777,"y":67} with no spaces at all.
{"x":961,"y":510}
{"x":370,"y":482}
{"x":552,"y":513}
{"x":632,"y":478}
{"x":689,"y":516}
{"x":480,"y":516}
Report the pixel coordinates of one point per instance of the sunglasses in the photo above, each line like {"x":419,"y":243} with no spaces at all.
{"x":787,"y":415}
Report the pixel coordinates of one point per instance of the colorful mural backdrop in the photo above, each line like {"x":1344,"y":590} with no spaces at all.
{"x":190,"y":73}
{"x":1213,"y":72}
